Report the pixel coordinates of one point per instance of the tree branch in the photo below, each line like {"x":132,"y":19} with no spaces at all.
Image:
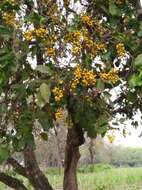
{"x":12,"y":182}
{"x":17,"y":167}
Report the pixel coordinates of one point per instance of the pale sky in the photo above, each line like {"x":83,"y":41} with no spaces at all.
{"x":132,"y":140}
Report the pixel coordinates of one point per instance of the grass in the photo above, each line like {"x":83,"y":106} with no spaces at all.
{"x":109,"y":179}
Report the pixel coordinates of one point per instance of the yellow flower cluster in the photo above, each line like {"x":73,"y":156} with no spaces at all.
{"x":59,"y":114}
{"x":120,"y":48}
{"x":75,"y":39}
{"x":88,"y":77}
{"x":41,"y":32}
{"x":73,"y":36}
{"x":29,"y":35}
{"x":58,"y":94}
{"x":83,"y":76}
{"x":9,"y":19}
{"x":110,"y":76}
{"x":97,"y":48}
{"x":82,"y":39}
{"x":111,"y":138}
{"x":89,"y":43}
{"x":87,"y":20}
{"x":33,"y":33}
{"x":50,"y":51}
{"x":77,"y":77}
{"x":51,"y":40}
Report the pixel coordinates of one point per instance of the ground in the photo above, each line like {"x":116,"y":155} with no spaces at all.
{"x":111,"y":179}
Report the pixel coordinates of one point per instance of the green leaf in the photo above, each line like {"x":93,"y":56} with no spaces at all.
{"x":138,"y":61}
{"x":44,"y":136}
{"x":43,"y":120}
{"x":45,"y":92}
{"x":131,"y":96}
{"x":4,"y":154}
{"x":18,"y":144}
{"x":4,"y":31}
{"x":40,"y":102}
{"x":139,"y":34}
{"x":106,"y":95}
{"x":29,"y":140}
{"x":100,"y":84}
{"x":135,"y":80}
{"x":113,"y":9}
{"x":44,"y":69}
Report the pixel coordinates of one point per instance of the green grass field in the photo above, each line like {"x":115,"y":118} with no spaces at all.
{"x":111,"y":179}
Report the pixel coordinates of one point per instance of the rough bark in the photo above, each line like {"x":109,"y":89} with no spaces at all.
{"x":12,"y":182}
{"x":59,"y":147}
{"x":35,"y":175}
{"x":74,"y":140}
{"x":92,"y":151}
{"x":17,"y":167}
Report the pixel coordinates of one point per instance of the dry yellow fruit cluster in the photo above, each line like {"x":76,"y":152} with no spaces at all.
{"x":111,"y":138}
{"x":9,"y":19}
{"x":50,"y":51}
{"x":59,"y":114}
{"x":75,"y":38}
{"x":41,"y":32}
{"x":77,"y":77}
{"x":110,"y":76}
{"x":29,"y":35}
{"x":88,"y":77}
{"x":35,"y":33}
{"x":120,"y":48}
{"x":87,"y":20}
{"x":84,"y":76}
{"x":93,"y":23}
{"x":58,"y":94}
{"x":82,"y":39}
{"x":97,"y":48}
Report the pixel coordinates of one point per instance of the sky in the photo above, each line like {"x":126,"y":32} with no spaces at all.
{"x":132,"y":140}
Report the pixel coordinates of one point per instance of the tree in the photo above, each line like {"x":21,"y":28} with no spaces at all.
{"x":66,"y":45}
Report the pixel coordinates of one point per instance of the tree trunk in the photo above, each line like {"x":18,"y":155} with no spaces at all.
{"x":74,"y":140}
{"x":92,"y":151}
{"x":12,"y":182}
{"x":35,"y":175}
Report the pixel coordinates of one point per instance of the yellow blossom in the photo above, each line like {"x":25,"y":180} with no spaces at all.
{"x":88,"y":78}
{"x":50,"y":52}
{"x":58,"y":94}
{"x":29,"y":34}
{"x":9,"y":19}
{"x":111,"y":138}
{"x":110,"y":76}
{"x":120,"y":48}
{"x":41,"y":32}
{"x":84,"y":77}
{"x":73,"y":36}
{"x":59,"y":114}
{"x":87,"y":20}
{"x":76,"y":49}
